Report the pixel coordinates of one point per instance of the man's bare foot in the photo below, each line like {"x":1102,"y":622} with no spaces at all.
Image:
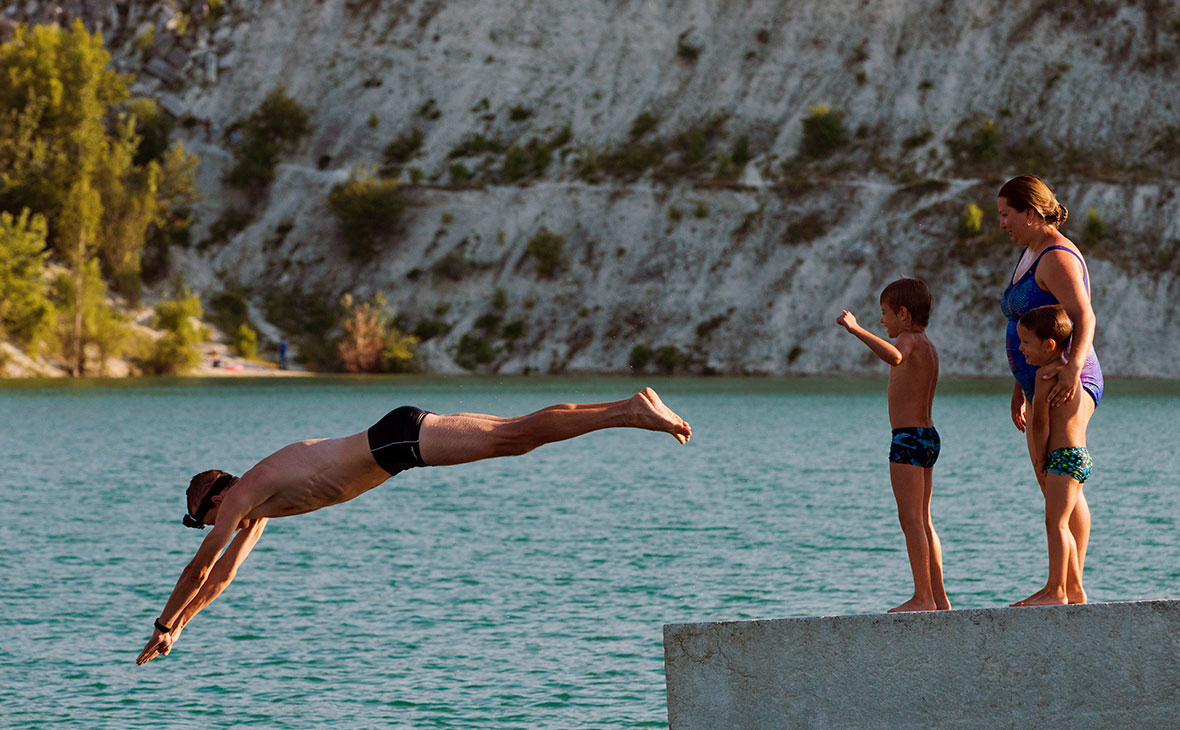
{"x":1044,"y":597}
{"x":915,"y":605}
{"x":655,"y":416}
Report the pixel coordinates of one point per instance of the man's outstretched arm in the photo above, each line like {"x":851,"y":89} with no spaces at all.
{"x":230,"y":514}
{"x":222,"y":574}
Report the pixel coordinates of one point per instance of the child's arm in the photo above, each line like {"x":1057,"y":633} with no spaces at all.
{"x":881,"y":348}
{"x":1038,"y":423}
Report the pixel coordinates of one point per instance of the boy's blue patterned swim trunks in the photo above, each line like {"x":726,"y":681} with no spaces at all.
{"x":916,"y":446}
{"x":1072,"y":461}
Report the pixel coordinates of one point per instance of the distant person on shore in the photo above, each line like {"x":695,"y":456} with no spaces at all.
{"x":905,"y":312}
{"x":215,"y":359}
{"x":1057,"y":446}
{"x":310,"y":475}
{"x":283,"y":353}
{"x":1050,"y":270}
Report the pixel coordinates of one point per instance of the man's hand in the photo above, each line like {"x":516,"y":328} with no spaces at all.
{"x":846,"y":320}
{"x":159,"y":645}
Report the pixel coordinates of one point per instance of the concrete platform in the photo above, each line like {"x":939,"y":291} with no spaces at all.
{"x":1102,"y":666}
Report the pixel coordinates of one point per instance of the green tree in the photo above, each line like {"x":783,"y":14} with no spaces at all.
{"x":26,"y":313}
{"x":94,"y":326}
{"x":245,"y":342}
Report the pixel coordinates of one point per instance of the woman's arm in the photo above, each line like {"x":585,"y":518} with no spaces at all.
{"x":1063,"y":278}
{"x":1018,"y":406}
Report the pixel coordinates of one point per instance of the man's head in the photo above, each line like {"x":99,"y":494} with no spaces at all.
{"x":1044,"y":333}
{"x":907,"y":297}
{"x":204,"y":491}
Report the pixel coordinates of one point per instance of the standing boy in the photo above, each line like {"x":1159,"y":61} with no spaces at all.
{"x":905,"y":312}
{"x":1057,"y":446}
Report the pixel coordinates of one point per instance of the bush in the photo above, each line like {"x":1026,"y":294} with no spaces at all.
{"x":639,"y":358}
{"x":460,"y":175}
{"x":548,"y":250}
{"x":403,"y":149}
{"x":277,"y":123}
{"x":987,"y":143}
{"x":807,"y":228}
{"x":823,"y":132}
{"x":519,"y":113}
{"x":370,"y":341}
{"x":643,"y":124}
{"x":366,"y":207}
{"x":454,"y":266}
{"x":245,"y":342}
{"x":474,"y":351}
{"x":972,"y":221}
{"x":1093,"y":229}
{"x":741,"y":151}
{"x":176,"y":351}
{"x":669,"y":359}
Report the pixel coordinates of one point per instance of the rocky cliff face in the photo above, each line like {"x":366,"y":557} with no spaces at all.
{"x":742,"y":268}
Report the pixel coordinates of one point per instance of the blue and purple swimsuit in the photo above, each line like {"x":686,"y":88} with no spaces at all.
{"x":1024,"y":296}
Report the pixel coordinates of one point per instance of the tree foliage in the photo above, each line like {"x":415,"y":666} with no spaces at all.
{"x":26,"y":313}
{"x":73,"y":154}
{"x":176,"y":351}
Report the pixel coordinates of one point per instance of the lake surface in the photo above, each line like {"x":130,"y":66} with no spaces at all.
{"x":527,"y":592}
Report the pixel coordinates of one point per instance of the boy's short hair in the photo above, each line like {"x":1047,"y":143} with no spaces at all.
{"x":913,"y":294}
{"x":1049,"y":322}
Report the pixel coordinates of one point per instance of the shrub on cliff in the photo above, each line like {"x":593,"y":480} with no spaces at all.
{"x":258,"y":140}
{"x":367,"y":207}
{"x":823,"y":132}
{"x":548,"y":249}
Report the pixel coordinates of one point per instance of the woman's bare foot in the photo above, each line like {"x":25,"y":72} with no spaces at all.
{"x":1044,"y":597}
{"x":1076,"y":595}
{"x":942,"y":605}
{"x":915,"y":605}
{"x":655,"y":416}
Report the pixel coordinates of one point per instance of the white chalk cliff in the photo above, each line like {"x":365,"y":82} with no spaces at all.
{"x":715,"y":270}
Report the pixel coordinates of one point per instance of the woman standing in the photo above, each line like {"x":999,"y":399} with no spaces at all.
{"x":1051,"y":270}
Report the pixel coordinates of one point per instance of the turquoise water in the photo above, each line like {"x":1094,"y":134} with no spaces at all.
{"x":517,"y":593}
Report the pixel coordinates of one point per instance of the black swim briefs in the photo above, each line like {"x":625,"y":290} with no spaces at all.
{"x":393,"y":440}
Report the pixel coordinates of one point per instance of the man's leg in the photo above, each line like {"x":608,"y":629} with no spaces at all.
{"x":463,"y":437}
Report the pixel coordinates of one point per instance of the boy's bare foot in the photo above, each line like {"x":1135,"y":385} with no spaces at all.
{"x":915,"y":605}
{"x":942,"y":605}
{"x":1077,"y":595}
{"x":654,"y":415}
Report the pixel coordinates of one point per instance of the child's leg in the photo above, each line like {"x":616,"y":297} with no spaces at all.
{"x":1061,"y":496}
{"x":909,"y":489}
{"x":465,"y":437}
{"x":937,"y":590}
{"x":1079,"y":527}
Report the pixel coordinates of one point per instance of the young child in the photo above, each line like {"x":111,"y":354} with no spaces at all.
{"x":1057,"y":447}
{"x":905,"y":312}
